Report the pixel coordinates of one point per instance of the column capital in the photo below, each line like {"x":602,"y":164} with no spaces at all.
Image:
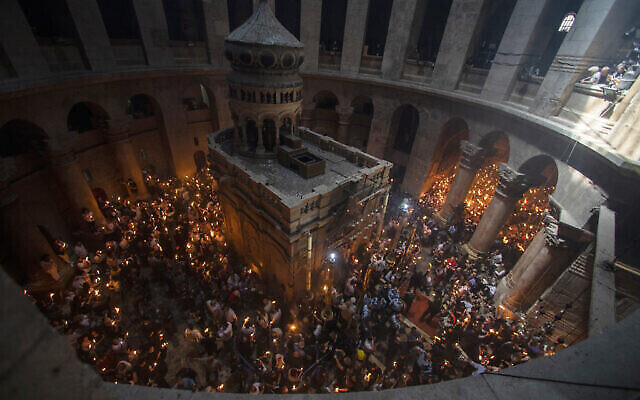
{"x":62,"y":143}
{"x":119,"y":128}
{"x":472,"y":155}
{"x":551,"y":233}
{"x":344,"y":114}
{"x":512,"y":183}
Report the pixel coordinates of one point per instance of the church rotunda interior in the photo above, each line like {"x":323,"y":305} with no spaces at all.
{"x":395,"y":198}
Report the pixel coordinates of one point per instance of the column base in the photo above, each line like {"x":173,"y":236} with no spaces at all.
{"x":471,"y":253}
{"x":440,"y":220}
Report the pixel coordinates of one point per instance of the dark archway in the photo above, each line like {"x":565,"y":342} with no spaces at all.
{"x":360,"y":123}
{"x":447,"y":151}
{"x":325,"y":117}
{"x":19,"y":137}
{"x":197,"y":98}
{"x":542,"y":169}
{"x":141,"y":106}
{"x":404,"y":126}
{"x":154,"y":155}
{"x":87,"y":116}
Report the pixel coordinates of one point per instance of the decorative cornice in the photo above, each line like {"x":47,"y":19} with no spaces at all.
{"x":550,"y":230}
{"x":512,"y":183}
{"x":472,"y":155}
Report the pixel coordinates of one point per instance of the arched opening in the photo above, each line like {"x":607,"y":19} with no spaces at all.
{"x":332,"y":24}
{"x":444,"y":162}
{"x":252,"y":134}
{"x":494,"y":24}
{"x":360,"y":123}
{"x":148,"y":134}
{"x":239,"y":11}
{"x":269,"y":134}
{"x":141,"y":106}
{"x":496,"y":147}
{"x":25,"y":143}
{"x":526,"y":219}
{"x":377,"y":26}
{"x":200,"y":105}
{"x":288,"y":13}
{"x":425,"y":42}
{"x":325,"y":117}
{"x":404,"y":126}
{"x":87,"y":116}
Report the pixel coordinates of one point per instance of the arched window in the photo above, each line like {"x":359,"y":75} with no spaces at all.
{"x":567,"y":22}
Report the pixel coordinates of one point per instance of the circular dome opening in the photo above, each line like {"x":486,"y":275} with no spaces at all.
{"x":267,"y":59}
{"x":288,"y":60}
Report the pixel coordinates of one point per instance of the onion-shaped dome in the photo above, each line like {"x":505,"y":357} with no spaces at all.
{"x":262,"y":43}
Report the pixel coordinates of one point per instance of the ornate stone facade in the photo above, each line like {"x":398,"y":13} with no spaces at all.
{"x":512,"y":183}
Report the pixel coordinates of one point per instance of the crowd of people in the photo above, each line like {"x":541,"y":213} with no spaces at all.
{"x":158,"y":298}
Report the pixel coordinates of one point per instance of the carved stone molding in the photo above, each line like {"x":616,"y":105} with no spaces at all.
{"x":512,"y":183}
{"x":472,"y":155}
{"x":551,"y":235}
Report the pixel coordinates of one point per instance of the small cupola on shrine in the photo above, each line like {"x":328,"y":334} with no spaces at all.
{"x":265,"y":90}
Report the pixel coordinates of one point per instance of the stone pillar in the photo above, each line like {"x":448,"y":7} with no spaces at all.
{"x":92,"y":34}
{"x":515,"y":48}
{"x":462,"y":26}
{"x":216,"y":24}
{"x":125,"y":155}
{"x":65,"y":167}
{"x":306,"y":119}
{"x":546,"y":257}
{"x":310,"y":18}
{"x":395,"y":49}
{"x":237,"y":140}
{"x":598,"y":22}
{"x":344,"y":119}
{"x":380,"y":124}
{"x":472,"y":158}
{"x":19,"y":44}
{"x":154,"y":32}
{"x":355,"y":28}
{"x":260,"y":147}
{"x":511,"y":187}
{"x":602,"y":307}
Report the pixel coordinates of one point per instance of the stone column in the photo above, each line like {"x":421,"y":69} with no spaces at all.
{"x":462,"y":26}
{"x":598,"y":22}
{"x":380,"y":122}
{"x":310,"y":18}
{"x":19,"y":44}
{"x":260,"y":147}
{"x":216,"y":24}
{"x":344,"y":119}
{"x":515,"y":48}
{"x":65,"y":166}
{"x":92,"y":34}
{"x":511,"y":187}
{"x":472,"y":158}
{"x":395,"y":49}
{"x":125,"y":155}
{"x":237,"y":140}
{"x":355,"y":28}
{"x":546,"y":257}
{"x":154,"y":32}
